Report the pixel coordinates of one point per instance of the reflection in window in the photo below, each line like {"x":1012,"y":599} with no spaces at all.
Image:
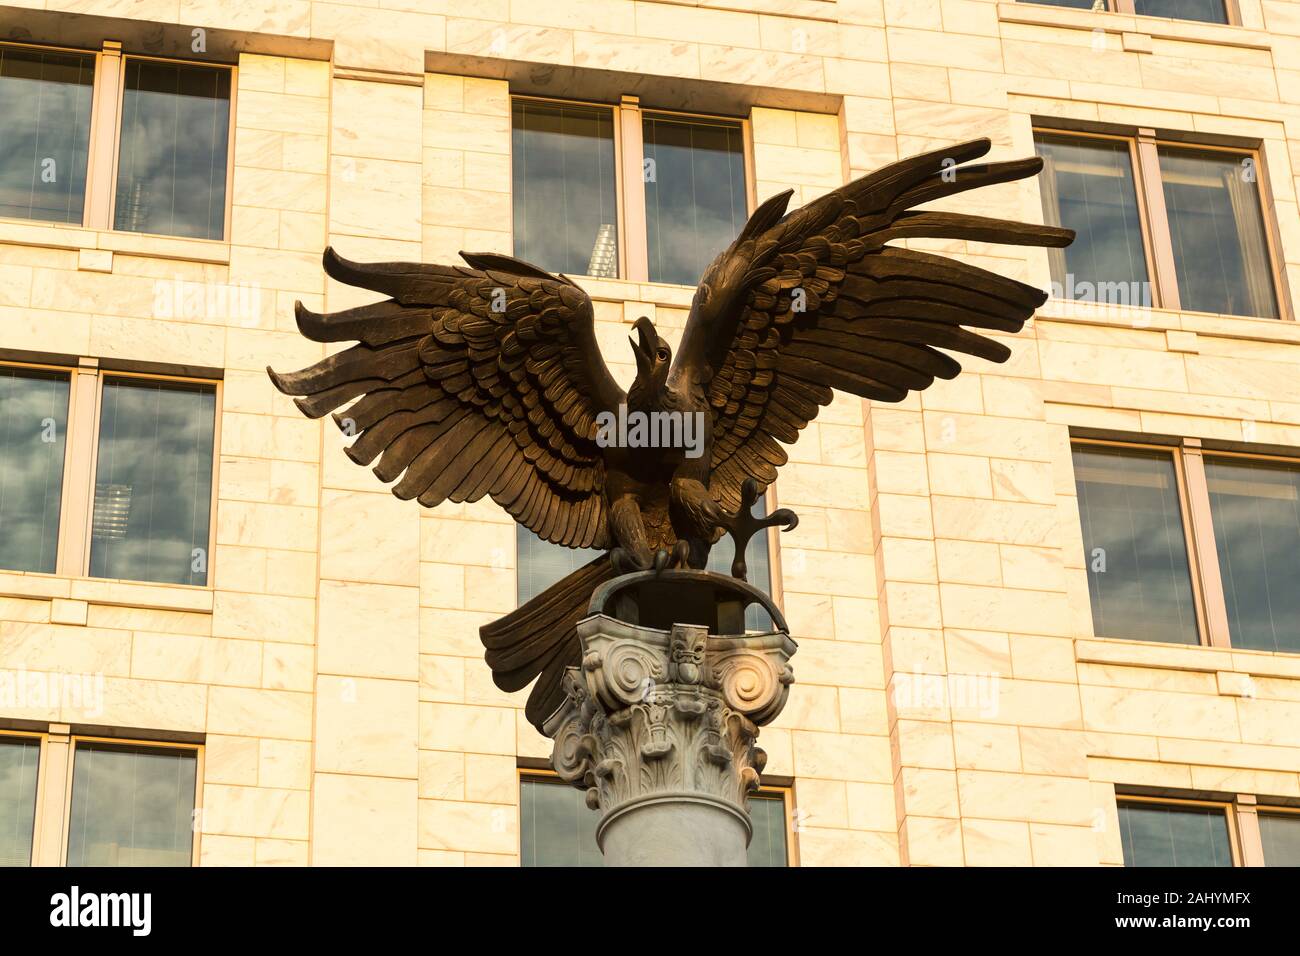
{"x":556,"y":828}
{"x":1134,"y":544}
{"x":131,"y":806}
{"x":695,"y":196}
{"x":1207,"y":11}
{"x":542,"y":564}
{"x":1256,"y":509}
{"x":1088,"y":185}
{"x":44,"y":133}
{"x":1280,"y":834}
{"x":1174,"y":835}
{"x":1076,"y":4}
{"x":1217,"y":228}
{"x":171,"y":170}
{"x":565,"y":205}
{"x":19,"y":758}
{"x":153,"y":482}
{"x":33,"y":428}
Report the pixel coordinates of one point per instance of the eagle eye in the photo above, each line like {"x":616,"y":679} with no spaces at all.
{"x":662,"y":355}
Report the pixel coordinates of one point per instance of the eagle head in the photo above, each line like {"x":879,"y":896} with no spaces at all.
{"x":653,"y":360}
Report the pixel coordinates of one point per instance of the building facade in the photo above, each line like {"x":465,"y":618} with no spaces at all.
{"x":1048,"y":613}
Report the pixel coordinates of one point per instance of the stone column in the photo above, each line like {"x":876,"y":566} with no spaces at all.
{"x":659,"y":727}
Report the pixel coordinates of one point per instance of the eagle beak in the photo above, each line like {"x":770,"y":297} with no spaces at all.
{"x":645,"y":349}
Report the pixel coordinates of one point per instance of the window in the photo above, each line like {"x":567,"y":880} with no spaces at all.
{"x":171,"y":165}
{"x":616,"y":191}
{"x":158,"y":158}
{"x":1087,"y":185}
{"x":19,"y":759}
{"x":45,"y":99}
{"x":33,"y":434}
{"x":1188,"y":545}
{"x":565,"y":193}
{"x":541,"y":564}
{"x":1256,"y":508}
{"x":1174,"y":834}
{"x":153,"y":481}
{"x":1280,"y":835}
{"x":105,"y":802}
{"x":695,"y":199}
{"x":131,"y":806}
{"x":558,"y":829}
{"x":1208,"y":11}
{"x":1134,"y":543}
{"x":1158,"y":223}
{"x":136,"y":502}
{"x":1217,"y":228}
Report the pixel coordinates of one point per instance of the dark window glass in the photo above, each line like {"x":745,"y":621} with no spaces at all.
{"x":1256,"y":510}
{"x":19,"y":758}
{"x":33,"y":428}
{"x":1217,"y":228}
{"x":171,"y":166}
{"x":1280,"y":833}
{"x":1088,"y":185}
{"x":1157,"y":835}
{"x":1134,"y":545}
{"x":542,"y":563}
{"x":558,"y":829}
{"x":1209,"y":11}
{"x":695,"y":196}
{"x":44,"y":133}
{"x":565,"y":199}
{"x":153,"y":482}
{"x":131,"y":806}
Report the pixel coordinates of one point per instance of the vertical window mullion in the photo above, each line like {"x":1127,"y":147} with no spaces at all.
{"x":1204,"y":551}
{"x":52,"y":796}
{"x":1250,"y":841}
{"x":102,"y":161}
{"x":1161,"y":240}
{"x":633,"y":176}
{"x":79,"y":469}
{"x":1122,"y":6}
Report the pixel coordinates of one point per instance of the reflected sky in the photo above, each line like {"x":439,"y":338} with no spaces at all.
{"x":565,"y":204}
{"x":33,"y":427}
{"x":1256,"y":509}
{"x":695,"y":195}
{"x":1134,"y":545}
{"x":153,"y":481}
{"x":19,"y":757}
{"x":131,"y":806}
{"x":44,"y":133}
{"x":171,"y":176}
{"x":1155,"y":835}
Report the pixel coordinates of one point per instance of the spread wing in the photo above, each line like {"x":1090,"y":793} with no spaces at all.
{"x":469,"y":382}
{"x":819,"y":301}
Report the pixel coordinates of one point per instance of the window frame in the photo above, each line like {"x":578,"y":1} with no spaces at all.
{"x":537,"y":774}
{"x":1157,"y":240}
{"x":1231,"y":9}
{"x":103,"y":152}
{"x":1208,"y":596}
{"x":629,"y":157}
{"x":58,"y":753}
{"x":1231,"y":816}
{"x":81,"y":458}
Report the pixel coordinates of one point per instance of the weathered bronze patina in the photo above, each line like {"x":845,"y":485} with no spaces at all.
{"x":487,"y":379}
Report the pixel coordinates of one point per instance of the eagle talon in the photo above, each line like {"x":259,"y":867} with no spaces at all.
{"x":661,"y":560}
{"x":743,"y":525}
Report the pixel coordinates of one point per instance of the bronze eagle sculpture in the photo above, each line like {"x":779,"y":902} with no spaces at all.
{"x":487,"y":379}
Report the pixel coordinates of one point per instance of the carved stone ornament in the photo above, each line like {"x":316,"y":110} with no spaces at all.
{"x":667,"y":717}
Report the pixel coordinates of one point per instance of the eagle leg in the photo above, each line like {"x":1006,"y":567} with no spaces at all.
{"x":632,"y":552}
